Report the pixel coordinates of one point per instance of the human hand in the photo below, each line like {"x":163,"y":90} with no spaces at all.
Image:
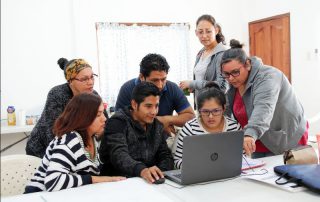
{"x":191,"y":90}
{"x":97,"y":179}
{"x":168,"y":127}
{"x":170,"y":130}
{"x":151,"y":174}
{"x":249,"y":145}
{"x":184,"y":84}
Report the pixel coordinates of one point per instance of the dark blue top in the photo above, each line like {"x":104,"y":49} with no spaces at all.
{"x":171,"y":99}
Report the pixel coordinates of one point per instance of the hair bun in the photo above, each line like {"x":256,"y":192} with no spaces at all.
{"x":62,"y":63}
{"x":235,"y":44}
{"x":212,"y":84}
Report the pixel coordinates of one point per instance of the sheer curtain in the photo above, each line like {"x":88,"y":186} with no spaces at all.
{"x":122,"y":47}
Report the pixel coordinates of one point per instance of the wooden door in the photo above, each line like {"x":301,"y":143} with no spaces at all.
{"x":270,"y":40}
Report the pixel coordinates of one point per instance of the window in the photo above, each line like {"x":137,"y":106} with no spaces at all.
{"x":121,"y":47}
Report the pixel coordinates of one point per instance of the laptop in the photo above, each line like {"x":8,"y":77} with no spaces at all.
{"x":209,"y":157}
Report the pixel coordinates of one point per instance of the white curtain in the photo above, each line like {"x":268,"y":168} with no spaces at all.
{"x":122,"y":47}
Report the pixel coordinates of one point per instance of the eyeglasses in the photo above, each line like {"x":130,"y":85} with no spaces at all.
{"x":86,"y":79}
{"x":214,"y":112}
{"x":201,"y":32}
{"x":234,"y":73}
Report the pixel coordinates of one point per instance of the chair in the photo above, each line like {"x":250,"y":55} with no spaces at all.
{"x":16,"y":171}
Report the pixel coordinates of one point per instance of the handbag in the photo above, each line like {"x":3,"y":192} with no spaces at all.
{"x":300,"y":155}
{"x":305,"y":175}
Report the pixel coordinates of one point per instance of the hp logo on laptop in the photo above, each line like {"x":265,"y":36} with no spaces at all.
{"x":214,"y":156}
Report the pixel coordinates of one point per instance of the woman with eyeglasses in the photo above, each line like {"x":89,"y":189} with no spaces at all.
{"x":72,"y":158}
{"x":80,"y":78}
{"x":264,"y":103}
{"x":207,"y":65}
{"x":211,"y":107}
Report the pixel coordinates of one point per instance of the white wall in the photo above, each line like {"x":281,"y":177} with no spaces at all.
{"x":35,"y":33}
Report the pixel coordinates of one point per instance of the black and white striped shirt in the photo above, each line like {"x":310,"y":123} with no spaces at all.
{"x":194,"y":127}
{"x":64,"y":165}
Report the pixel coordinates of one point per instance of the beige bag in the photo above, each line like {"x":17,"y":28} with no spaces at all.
{"x":300,"y":155}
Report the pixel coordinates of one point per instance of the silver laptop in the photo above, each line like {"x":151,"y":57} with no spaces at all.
{"x":209,"y":157}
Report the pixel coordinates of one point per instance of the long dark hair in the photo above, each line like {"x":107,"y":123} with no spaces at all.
{"x":78,"y":115}
{"x":209,"y":18}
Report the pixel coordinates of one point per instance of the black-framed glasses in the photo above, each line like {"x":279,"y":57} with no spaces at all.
{"x":86,"y":79}
{"x":234,"y":73}
{"x":214,"y":112}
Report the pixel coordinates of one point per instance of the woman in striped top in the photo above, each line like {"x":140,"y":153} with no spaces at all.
{"x":211,"y":107}
{"x":71,"y":159}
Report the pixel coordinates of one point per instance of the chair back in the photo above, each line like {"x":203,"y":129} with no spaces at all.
{"x":16,"y":171}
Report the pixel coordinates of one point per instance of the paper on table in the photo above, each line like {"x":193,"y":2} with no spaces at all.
{"x":249,"y":163}
{"x":270,"y":177}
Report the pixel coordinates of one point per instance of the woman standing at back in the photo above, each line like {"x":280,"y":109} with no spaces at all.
{"x":80,"y":79}
{"x":207,"y":66}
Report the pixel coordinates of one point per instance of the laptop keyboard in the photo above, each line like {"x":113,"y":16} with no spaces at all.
{"x":178,"y":175}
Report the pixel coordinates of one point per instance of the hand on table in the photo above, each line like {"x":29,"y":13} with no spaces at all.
{"x":151,"y":174}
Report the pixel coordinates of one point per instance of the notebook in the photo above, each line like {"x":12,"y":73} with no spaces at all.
{"x":209,"y":157}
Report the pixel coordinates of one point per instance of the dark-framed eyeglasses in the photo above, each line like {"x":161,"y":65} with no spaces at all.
{"x":234,"y":73}
{"x":86,"y":79}
{"x":214,"y":112}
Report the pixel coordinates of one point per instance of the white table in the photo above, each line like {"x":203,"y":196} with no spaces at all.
{"x":136,"y":189}
{"x":5,"y":129}
{"x":16,"y":129}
